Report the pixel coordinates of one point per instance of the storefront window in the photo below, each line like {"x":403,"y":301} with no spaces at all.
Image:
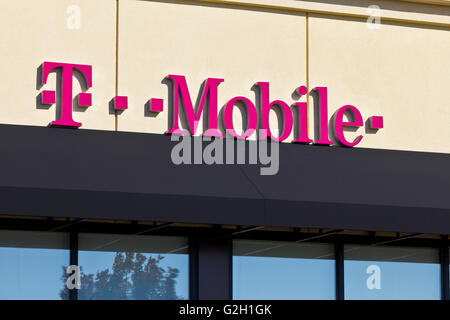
{"x":124,"y":267}
{"x":33,"y":264}
{"x":283,"y":270}
{"x":373,"y":272}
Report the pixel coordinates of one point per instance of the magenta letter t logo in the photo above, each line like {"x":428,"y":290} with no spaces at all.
{"x":84,"y":99}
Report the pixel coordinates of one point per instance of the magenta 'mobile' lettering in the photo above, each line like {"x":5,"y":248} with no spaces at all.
{"x":267,"y":105}
{"x":339,"y":124}
{"x":290,"y":116}
{"x":303,"y":117}
{"x":252,"y":116}
{"x":210,"y":89}
{"x":323,"y":98}
{"x":84,"y":99}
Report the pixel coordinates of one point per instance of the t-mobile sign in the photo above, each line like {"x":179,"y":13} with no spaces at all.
{"x":293,"y":117}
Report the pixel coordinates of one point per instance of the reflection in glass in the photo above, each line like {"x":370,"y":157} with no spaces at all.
{"x":283,"y":270}
{"x":124,"y":267}
{"x":375,"y":272}
{"x":31,"y":264}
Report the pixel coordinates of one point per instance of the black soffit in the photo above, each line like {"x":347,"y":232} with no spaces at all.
{"x":129,"y":176}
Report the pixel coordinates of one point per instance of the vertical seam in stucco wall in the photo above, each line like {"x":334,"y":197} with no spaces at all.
{"x":116,"y":116}
{"x":307,"y":69}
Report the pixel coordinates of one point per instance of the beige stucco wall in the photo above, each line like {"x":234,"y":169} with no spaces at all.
{"x":240,"y":46}
{"x":399,"y":71}
{"x":36,"y":31}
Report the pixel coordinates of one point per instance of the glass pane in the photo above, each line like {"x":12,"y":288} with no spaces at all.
{"x":283,"y":270}
{"x":33,"y":264}
{"x":124,"y":267}
{"x":375,"y":272}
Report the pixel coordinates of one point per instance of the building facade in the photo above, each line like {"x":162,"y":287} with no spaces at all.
{"x":209,"y":149}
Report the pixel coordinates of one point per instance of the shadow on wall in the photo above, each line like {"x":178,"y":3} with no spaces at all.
{"x":399,"y":6}
{"x":39,"y":86}
{"x":438,"y":10}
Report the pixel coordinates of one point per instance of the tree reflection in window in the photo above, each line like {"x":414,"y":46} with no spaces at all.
{"x":133,"y":276}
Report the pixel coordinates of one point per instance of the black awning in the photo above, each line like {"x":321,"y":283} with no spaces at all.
{"x":129,"y":176}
